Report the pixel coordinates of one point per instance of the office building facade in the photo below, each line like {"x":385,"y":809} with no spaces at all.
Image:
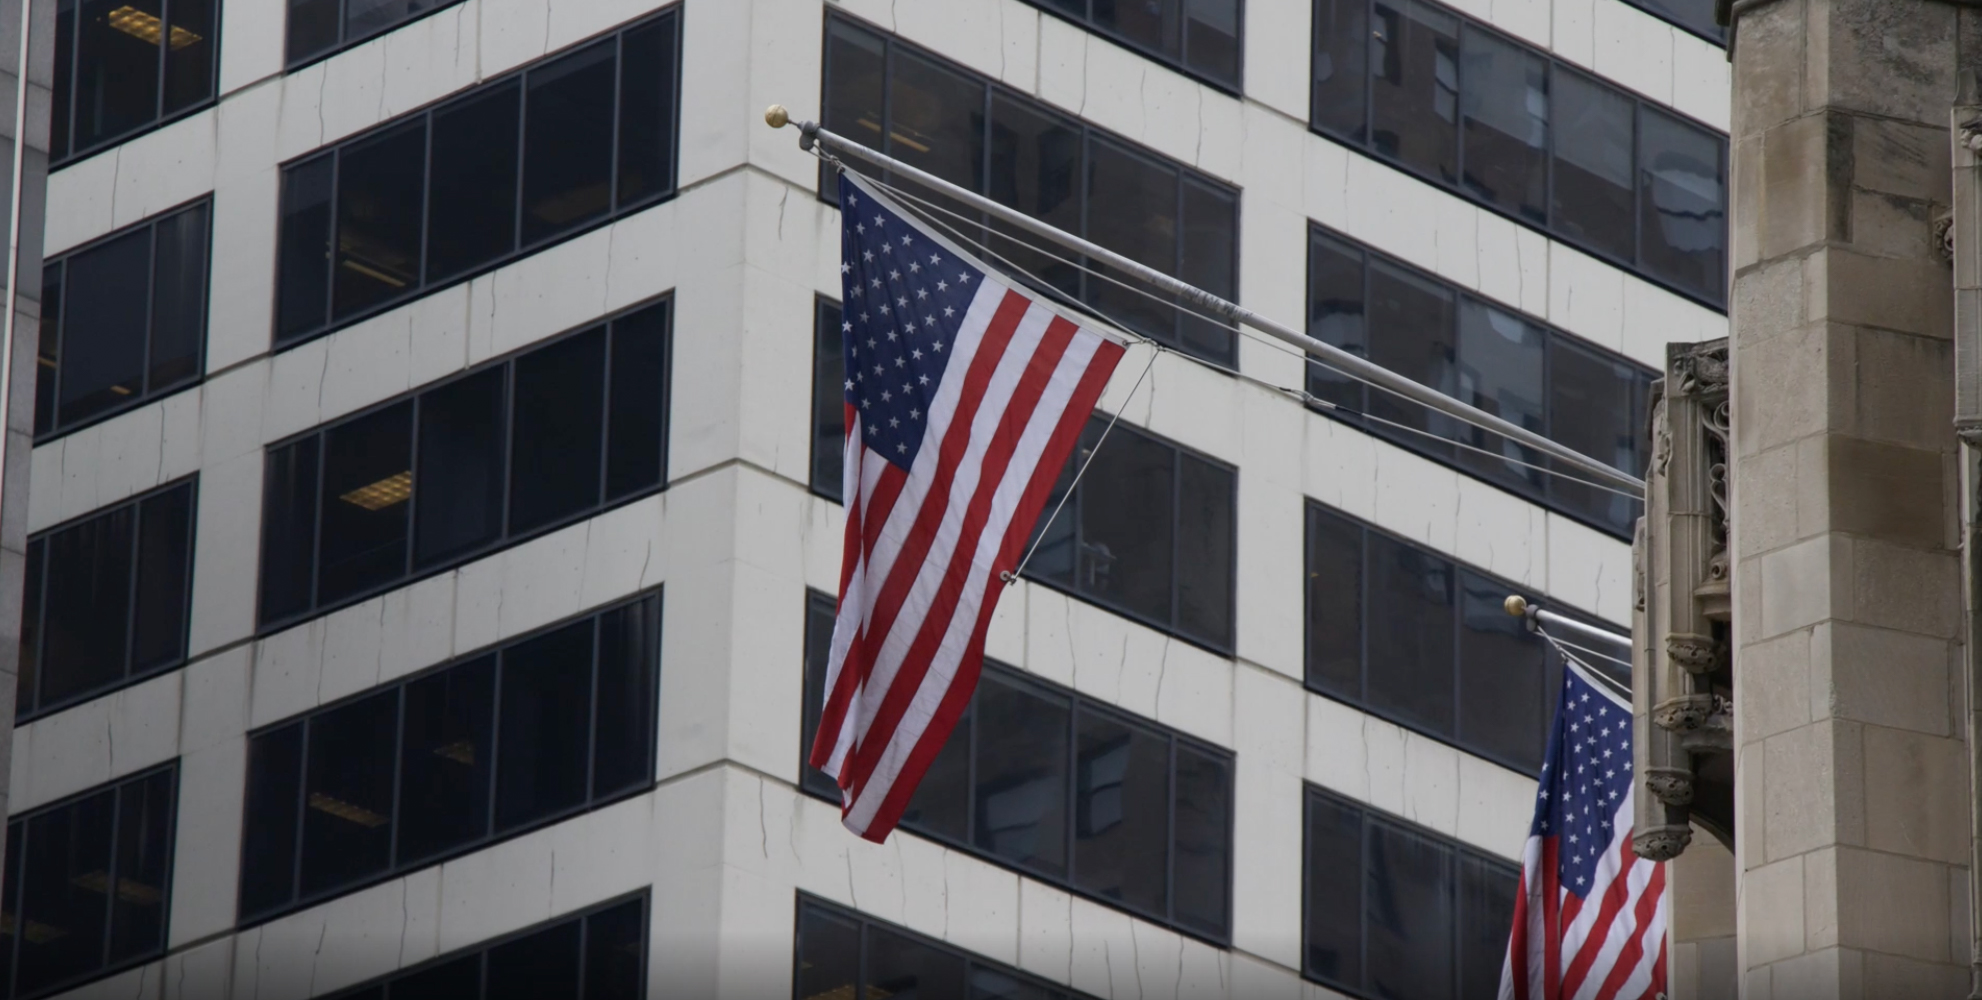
{"x":432,"y":526}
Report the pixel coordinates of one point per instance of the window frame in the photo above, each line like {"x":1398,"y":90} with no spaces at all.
{"x":481,"y":948}
{"x":504,"y":539}
{"x":60,"y":430}
{"x":1551,"y":228}
{"x":1416,"y":443}
{"x":1550,"y":662}
{"x":1090,"y":133}
{"x":972,"y":960}
{"x":425,"y":286}
{"x":42,"y":710}
{"x":299,"y":900}
{"x":13,"y":887}
{"x":1078,"y":704}
{"x":1180,"y":64}
{"x":75,"y":155}
{"x":1372,"y":816}
{"x":1071,"y":509}
{"x":346,"y":42}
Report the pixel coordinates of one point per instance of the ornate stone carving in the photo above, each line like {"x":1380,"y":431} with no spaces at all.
{"x":1696,"y":654}
{"x":1661,"y":843}
{"x":1673,"y":785}
{"x":1684,"y":713}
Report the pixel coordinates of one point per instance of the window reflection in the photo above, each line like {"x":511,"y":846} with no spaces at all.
{"x":835,"y":944}
{"x":1063,"y":789}
{"x":122,"y":65}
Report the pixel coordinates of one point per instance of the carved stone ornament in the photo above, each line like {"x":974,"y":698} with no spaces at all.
{"x":1695,"y":654}
{"x":1662,"y":843}
{"x":1944,"y":230}
{"x":1684,"y":713}
{"x":1672,"y":785}
{"x":1702,"y":372}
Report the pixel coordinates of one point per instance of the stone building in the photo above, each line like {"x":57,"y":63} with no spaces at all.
{"x":431,"y":497}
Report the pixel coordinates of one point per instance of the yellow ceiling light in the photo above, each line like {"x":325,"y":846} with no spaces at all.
{"x":460,"y":751}
{"x":344,"y":810}
{"x":382,"y":494}
{"x":38,"y":932}
{"x":138,"y":24}
{"x":128,"y":890}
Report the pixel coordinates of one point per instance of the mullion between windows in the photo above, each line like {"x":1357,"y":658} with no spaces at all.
{"x":302,"y":816}
{"x":1170,"y":840}
{"x":151,"y":311}
{"x":15,"y":895}
{"x":110,"y":882}
{"x":398,"y":770}
{"x":592,"y":716}
{"x":131,"y":591}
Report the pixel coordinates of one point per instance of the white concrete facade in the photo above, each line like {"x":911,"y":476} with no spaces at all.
{"x":725,"y":839}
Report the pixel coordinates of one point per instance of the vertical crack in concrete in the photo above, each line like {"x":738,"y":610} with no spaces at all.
{"x":322,"y":933}
{"x":405,"y":918}
{"x":646,"y":561}
{"x":763,"y":828}
{"x":323,"y":79}
{"x":1162,"y":673}
{"x":110,"y":739}
{"x":1107,"y":961}
{"x":1135,"y":957}
{"x":1178,"y":992}
{"x":781,"y":212}
{"x":553,"y":892}
{"x":852,"y":894}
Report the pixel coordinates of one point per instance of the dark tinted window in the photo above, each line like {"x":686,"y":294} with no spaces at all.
{"x":513,"y":163}
{"x":122,"y":65}
{"x":828,"y":401}
{"x":842,"y":953}
{"x":1394,"y":910}
{"x":105,"y":601}
{"x":1418,"y":639}
{"x":1460,"y":105}
{"x":125,"y":321}
{"x":1199,"y":37}
{"x":486,"y":459}
{"x":973,"y":133}
{"x":1148,"y":532}
{"x":597,"y":955}
{"x":1550,"y":382}
{"x":87,"y":885}
{"x":318,"y":27}
{"x":1696,"y":16}
{"x":432,"y":766}
{"x":1064,"y":789}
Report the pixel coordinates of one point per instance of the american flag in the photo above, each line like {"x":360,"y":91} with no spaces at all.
{"x":964,"y":397}
{"x":1589,"y":922}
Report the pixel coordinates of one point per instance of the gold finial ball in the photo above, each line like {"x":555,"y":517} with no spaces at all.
{"x":1516,"y":605}
{"x":776,"y":116}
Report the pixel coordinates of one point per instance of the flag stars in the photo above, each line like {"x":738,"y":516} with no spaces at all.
{"x":942,"y":286}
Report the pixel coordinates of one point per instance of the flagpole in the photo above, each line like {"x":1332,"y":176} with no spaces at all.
{"x":810,"y":134}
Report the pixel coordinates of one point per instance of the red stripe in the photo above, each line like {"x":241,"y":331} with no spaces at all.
{"x":1615,"y":895}
{"x":882,"y":607}
{"x":854,"y":669}
{"x":1517,"y":942}
{"x":938,"y":616}
{"x":1025,"y":515}
{"x":1634,"y":949}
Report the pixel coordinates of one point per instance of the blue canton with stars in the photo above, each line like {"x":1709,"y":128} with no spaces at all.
{"x":904,"y":298}
{"x":1586,"y":778}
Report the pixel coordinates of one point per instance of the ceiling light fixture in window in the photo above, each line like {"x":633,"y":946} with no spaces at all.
{"x":344,"y":810}
{"x":139,"y":24}
{"x":382,"y":494}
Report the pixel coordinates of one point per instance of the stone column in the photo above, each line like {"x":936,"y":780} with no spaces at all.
{"x":1852,"y":788}
{"x":38,"y":76}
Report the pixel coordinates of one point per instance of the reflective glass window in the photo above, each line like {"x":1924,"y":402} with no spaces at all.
{"x":124,"y":65}
{"x":1410,"y":635}
{"x":510,"y":449}
{"x":974,"y":133}
{"x":106,"y":600}
{"x":450,"y":759}
{"x":124,"y":321}
{"x":1500,"y":361}
{"x":599,"y":954}
{"x":87,"y":885}
{"x":445,"y":192}
{"x":1454,"y":102}
{"x":1060,"y":788}
{"x":843,"y":953}
{"x":1395,"y":910}
{"x":320,"y":27}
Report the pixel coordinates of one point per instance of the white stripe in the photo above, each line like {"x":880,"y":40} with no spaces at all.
{"x":1044,"y":421}
{"x":851,"y":617}
{"x":1641,"y":977}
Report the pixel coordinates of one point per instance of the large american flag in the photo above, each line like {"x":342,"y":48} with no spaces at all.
{"x":964,"y":396}
{"x":1589,"y":922}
